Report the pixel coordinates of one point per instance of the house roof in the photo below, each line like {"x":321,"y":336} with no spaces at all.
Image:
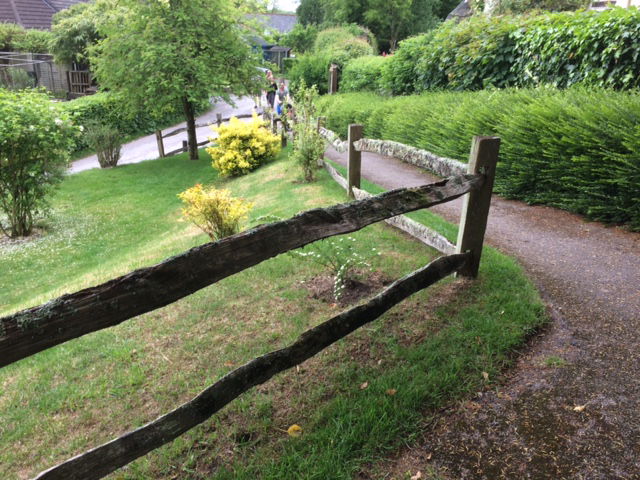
{"x":463,"y":10}
{"x":33,"y":13}
{"x":282,"y":22}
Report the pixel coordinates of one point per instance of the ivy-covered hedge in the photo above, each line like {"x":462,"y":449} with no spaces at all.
{"x":561,"y":49}
{"x":575,"y":149}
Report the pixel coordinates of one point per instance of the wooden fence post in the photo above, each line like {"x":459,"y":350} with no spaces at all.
{"x":219,"y":119}
{"x":333,"y":79}
{"x":160,"y":143}
{"x":185,"y":146}
{"x":320,"y":121}
{"x":355,"y":134}
{"x":475,"y":209}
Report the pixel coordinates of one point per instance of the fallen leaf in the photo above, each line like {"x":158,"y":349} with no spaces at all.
{"x":364,"y":385}
{"x":579,"y":408}
{"x":294,"y":430}
{"x":228,"y":364}
{"x":417,"y":476}
{"x":429,"y":455}
{"x":380,"y":362}
{"x":485,"y":375}
{"x":391,"y":392}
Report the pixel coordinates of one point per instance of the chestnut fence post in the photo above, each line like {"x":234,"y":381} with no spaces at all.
{"x":160,"y":144}
{"x":475,"y":209}
{"x":333,"y":79}
{"x":355,"y":134}
{"x":320,"y":122}
{"x":219,"y":119}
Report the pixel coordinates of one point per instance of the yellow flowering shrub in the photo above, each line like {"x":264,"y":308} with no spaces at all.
{"x":214,"y":211}
{"x":243,"y":146}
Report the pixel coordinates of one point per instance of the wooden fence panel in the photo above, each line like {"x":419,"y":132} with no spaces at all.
{"x":73,"y":315}
{"x":101,"y":461}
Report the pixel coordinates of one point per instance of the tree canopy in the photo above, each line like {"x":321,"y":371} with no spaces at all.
{"x":166,"y":54}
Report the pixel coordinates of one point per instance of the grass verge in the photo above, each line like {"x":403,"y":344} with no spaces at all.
{"x":355,"y":401}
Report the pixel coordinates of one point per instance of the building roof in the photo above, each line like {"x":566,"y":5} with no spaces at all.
{"x":33,"y":13}
{"x":463,"y":10}
{"x":282,"y":22}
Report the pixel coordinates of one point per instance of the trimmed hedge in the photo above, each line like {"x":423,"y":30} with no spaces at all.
{"x":14,"y":38}
{"x":106,"y":108}
{"x":562,"y":49}
{"x":576,"y":149}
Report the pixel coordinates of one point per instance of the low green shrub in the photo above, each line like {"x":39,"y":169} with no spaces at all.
{"x":106,"y":141}
{"x":363,"y":74}
{"x":576,"y":149}
{"x":308,"y":145}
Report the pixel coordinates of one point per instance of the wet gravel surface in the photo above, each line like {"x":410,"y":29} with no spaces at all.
{"x":570,"y":408}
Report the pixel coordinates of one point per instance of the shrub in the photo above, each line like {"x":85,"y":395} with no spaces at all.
{"x":215,"y":212}
{"x":575,"y":149}
{"x":312,"y":69}
{"x":106,"y":141}
{"x":301,"y":38}
{"x":243,"y":146}
{"x":562,"y":49}
{"x":308,"y":145}
{"x":109,"y":109}
{"x":34,"y":151}
{"x":14,"y":38}
{"x":363,"y":73}
{"x":398,"y":74}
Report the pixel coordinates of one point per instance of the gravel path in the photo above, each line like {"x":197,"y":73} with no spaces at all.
{"x":570,"y":409}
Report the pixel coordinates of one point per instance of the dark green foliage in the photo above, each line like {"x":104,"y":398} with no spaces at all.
{"x":337,"y":45}
{"x":108,"y":109}
{"x":562,"y":49}
{"x":515,"y":7}
{"x":398,"y":74}
{"x":14,"y":38}
{"x":75,"y":29}
{"x":363,"y":73}
{"x":575,"y":149}
{"x":301,"y":38}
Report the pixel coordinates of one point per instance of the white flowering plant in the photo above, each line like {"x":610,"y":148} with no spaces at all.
{"x":340,"y":257}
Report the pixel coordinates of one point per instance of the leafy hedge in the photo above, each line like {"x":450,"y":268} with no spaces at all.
{"x":575,"y":149}
{"x":561,"y":49}
{"x":14,"y":38}
{"x":363,"y":73}
{"x":337,"y":45}
{"x":107,"y":109}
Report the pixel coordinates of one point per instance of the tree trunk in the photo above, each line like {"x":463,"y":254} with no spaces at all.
{"x":190,"y":117}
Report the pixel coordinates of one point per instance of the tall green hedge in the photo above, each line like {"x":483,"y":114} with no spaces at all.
{"x":106,"y":108}
{"x":575,"y":149}
{"x":561,"y":49}
{"x":363,"y":74}
{"x":14,"y":38}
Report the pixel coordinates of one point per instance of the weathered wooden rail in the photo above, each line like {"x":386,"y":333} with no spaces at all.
{"x":70,"y":316}
{"x":184,"y":148}
{"x":475,"y":211}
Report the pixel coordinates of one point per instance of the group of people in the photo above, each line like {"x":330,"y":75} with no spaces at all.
{"x":277,"y":94}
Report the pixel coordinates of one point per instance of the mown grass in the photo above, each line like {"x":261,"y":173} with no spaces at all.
{"x":432,"y":348}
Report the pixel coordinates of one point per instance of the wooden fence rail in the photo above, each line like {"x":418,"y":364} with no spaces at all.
{"x":101,"y":461}
{"x":73,"y":315}
{"x":475,"y":211}
{"x":161,"y":136}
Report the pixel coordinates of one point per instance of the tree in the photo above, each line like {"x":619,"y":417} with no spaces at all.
{"x":311,"y":12}
{"x":164,"y":54}
{"x":75,"y":29}
{"x":34,"y":151}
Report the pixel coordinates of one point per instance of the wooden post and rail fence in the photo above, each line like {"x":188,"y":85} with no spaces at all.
{"x":70,"y":316}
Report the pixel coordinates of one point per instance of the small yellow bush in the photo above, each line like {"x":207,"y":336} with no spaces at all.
{"x":215,"y":212}
{"x":243,"y":146}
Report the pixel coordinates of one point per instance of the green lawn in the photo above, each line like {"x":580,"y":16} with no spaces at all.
{"x":432,"y":349}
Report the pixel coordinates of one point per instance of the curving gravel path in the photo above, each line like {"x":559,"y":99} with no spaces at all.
{"x":570,"y":409}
